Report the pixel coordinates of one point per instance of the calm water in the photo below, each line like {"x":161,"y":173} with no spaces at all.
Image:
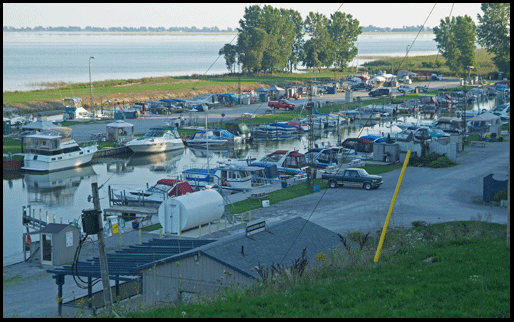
{"x":65,"y":193}
{"x":35,"y":58}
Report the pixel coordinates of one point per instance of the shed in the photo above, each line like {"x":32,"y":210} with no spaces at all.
{"x":232,"y":260}
{"x":120,"y":131}
{"x":58,"y":243}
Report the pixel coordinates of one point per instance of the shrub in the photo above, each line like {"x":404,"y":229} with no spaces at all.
{"x":441,"y":162}
{"x":500,"y":195}
{"x":356,"y":236}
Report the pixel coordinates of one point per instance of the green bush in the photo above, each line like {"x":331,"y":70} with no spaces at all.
{"x":500,"y":195}
{"x":441,"y":162}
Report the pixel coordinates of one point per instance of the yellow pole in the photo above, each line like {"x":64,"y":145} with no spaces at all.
{"x":382,"y":237}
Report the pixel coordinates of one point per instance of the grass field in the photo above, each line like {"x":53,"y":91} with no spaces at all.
{"x":455,"y":269}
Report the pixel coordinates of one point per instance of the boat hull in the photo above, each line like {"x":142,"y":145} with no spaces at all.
{"x":156,"y":147}
{"x":49,"y":163}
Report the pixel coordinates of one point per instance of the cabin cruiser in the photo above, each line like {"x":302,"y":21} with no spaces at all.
{"x":228,"y":177}
{"x":55,"y":149}
{"x":205,"y":138}
{"x":161,"y":191}
{"x":288,"y":163}
{"x":158,"y":139}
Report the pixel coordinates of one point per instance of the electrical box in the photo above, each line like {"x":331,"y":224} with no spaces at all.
{"x":90,"y":222}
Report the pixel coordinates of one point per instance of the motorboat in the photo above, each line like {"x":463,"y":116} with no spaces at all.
{"x":228,"y":177}
{"x":225,"y":134}
{"x":322,"y":157}
{"x":274,"y":129}
{"x":300,"y":126}
{"x":206,"y":138}
{"x":157,"y":139}
{"x":55,"y":149}
{"x":288,"y":162}
{"x":162,"y":190}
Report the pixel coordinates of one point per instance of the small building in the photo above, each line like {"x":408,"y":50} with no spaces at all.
{"x":236,"y":259}
{"x":57,"y":244}
{"x":120,"y":131}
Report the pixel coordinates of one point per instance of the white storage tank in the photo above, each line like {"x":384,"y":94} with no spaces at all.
{"x":191,"y":210}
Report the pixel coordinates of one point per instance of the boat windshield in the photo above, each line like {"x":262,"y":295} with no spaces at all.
{"x":158,"y":133}
{"x":159,"y":188}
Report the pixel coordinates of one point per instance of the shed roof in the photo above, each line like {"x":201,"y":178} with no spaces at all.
{"x":125,"y":262}
{"x":120,"y":124}
{"x":267,"y":247}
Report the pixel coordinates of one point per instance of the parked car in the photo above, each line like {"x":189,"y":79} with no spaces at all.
{"x":421,"y":89}
{"x":281,"y":104}
{"x":353,"y":177}
{"x":405,"y":89}
{"x":380,"y":92}
{"x":363,"y":86}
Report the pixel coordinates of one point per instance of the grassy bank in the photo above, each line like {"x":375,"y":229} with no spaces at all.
{"x":455,"y":269}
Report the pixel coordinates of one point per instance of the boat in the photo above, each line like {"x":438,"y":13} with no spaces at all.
{"x":225,"y":134}
{"x":157,"y":139}
{"x":55,"y":149}
{"x":205,"y":138}
{"x":274,"y":129}
{"x":322,"y":158}
{"x":228,"y":177}
{"x":162,"y":190}
{"x":288,"y":162}
{"x":298,"y":125}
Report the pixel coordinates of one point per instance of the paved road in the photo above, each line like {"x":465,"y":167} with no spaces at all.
{"x":82,"y":132}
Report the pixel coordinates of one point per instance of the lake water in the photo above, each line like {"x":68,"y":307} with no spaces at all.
{"x":31,"y":59}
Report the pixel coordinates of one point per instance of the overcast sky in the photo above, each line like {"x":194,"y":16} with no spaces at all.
{"x":221,"y":15}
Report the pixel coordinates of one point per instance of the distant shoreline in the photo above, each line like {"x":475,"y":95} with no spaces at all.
{"x":183,"y":33}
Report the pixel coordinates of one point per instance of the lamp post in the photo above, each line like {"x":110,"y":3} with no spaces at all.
{"x":407,"y":55}
{"x":90,"y":83}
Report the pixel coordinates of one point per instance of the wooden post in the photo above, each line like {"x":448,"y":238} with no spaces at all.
{"x":54,"y":218}
{"x":225,"y":224}
{"x":209,"y":228}
{"x":119,"y":233}
{"x":250,"y":215}
{"x":200,"y":231}
{"x":140,"y":241}
{"x":101,"y":250}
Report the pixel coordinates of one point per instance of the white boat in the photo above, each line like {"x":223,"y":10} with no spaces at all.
{"x":55,"y":149}
{"x":164,"y":189}
{"x":158,"y":139}
{"x":288,"y":163}
{"x":203,"y":138}
{"x":228,"y":177}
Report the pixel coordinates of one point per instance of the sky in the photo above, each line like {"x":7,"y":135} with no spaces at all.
{"x":221,"y":15}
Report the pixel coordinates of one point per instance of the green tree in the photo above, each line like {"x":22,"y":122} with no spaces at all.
{"x":319,"y":50}
{"x":344,"y":30}
{"x":252,"y":43}
{"x":494,"y":33}
{"x":297,"y":53}
{"x":455,"y":39}
{"x":280,"y":30}
{"x":230,"y":54}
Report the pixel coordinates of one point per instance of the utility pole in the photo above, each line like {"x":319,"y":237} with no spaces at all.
{"x":90,"y":83}
{"x":101,"y":250}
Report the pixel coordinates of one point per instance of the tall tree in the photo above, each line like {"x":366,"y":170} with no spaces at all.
{"x":344,"y":30}
{"x":455,"y":39}
{"x":230,"y":54}
{"x":252,"y":43}
{"x":297,"y":47}
{"x":319,"y":48}
{"x":494,"y":33}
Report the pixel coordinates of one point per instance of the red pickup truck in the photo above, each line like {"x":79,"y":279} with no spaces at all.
{"x":281,"y":104}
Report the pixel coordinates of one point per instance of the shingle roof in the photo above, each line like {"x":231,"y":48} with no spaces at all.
{"x":267,"y":247}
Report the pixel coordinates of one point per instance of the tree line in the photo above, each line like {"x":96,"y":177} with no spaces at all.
{"x":272,"y":40}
